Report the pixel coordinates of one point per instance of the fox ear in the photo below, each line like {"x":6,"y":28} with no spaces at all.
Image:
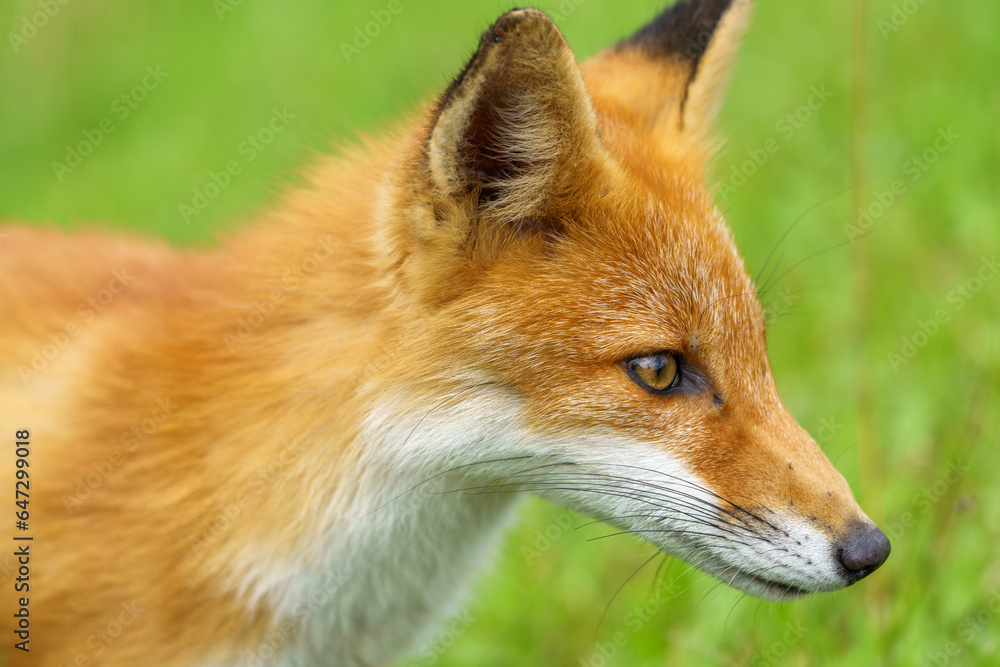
{"x":516,"y":116}
{"x":686,"y":55}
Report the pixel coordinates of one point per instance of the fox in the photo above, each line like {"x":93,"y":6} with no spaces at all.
{"x":301,"y":446}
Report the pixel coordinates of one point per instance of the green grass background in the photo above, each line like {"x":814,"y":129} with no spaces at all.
{"x":892,"y":432}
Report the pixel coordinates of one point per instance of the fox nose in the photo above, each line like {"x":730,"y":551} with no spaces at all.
{"x":863,"y":551}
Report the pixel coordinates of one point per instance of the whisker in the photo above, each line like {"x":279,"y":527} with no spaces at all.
{"x":647,"y":515}
{"x":603,"y":489}
{"x":656,"y":575}
{"x":442,"y":473}
{"x":679,"y":480}
{"x":732,"y":609}
{"x":767,"y":276}
{"x":619,"y":590}
{"x":690,"y":567}
{"x":701,"y":488}
{"x":520,"y":488}
{"x":660,"y":517}
{"x":663,"y":496}
{"x":666,"y":530}
{"x":714,"y":588}
{"x":824,"y":251}
{"x":799,"y":219}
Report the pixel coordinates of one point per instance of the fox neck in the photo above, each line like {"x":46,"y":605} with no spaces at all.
{"x":403,"y":541}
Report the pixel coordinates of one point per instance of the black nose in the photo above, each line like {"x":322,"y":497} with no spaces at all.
{"x":862,"y":551}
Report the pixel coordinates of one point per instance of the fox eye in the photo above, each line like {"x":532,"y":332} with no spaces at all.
{"x":656,"y":372}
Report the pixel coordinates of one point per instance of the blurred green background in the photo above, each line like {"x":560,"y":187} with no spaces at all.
{"x":905,"y":102}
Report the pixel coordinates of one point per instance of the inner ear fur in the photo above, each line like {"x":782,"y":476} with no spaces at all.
{"x":512,"y":127}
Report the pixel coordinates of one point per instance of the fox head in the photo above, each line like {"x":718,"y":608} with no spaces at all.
{"x":553,"y":231}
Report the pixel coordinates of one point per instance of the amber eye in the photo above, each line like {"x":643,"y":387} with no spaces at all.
{"x":657,"y":372}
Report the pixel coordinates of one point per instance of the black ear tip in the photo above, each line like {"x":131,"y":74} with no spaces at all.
{"x":681,"y":32}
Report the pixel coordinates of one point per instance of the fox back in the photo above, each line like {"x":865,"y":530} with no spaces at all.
{"x":296,"y":448}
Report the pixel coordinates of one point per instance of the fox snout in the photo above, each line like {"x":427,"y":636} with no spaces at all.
{"x":808,"y":501}
{"x":856,"y":545}
{"x":799,"y":505}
